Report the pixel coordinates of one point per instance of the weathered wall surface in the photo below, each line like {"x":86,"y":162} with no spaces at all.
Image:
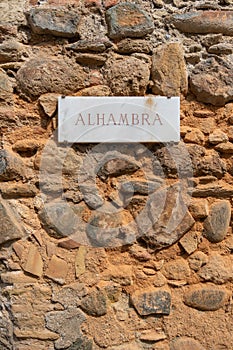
{"x":154,"y":268}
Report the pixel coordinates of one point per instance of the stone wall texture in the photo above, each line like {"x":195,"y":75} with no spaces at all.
{"x":117,"y":247}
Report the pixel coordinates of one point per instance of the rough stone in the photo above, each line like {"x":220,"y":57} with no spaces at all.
{"x":219,"y":190}
{"x":58,"y":219}
{"x":152,"y":335}
{"x":34,"y":262}
{"x":17,"y":277}
{"x":169,"y":72}
{"x":80,"y":266}
{"x":195,"y":136}
{"x":6,"y":88}
{"x":128,"y":20}
{"x":91,"y":196}
{"x":70,"y":295}
{"x":165,"y":219}
{"x":176,"y":270}
{"x":230,"y":133}
{"x":13,"y":11}
{"x":57,"y":269}
{"x":118,"y":166}
{"x":217,"y":223}
{"x":211,"y":81}
{"x":217,"y":136}
{"x":82,"y":343}
{"x":11,"y":51}
{"x":204,"y":22}
{"x":98,"y":90}
{"x":49,"y":103}
{"x":86,"y":45}
{"x":127,"y":76}
{"x":17,"y":190}
{"x":207,"y":298}
{"x":189,"y":241}
{"x":54,"y":21}
{"x":154,"y":301}
{"x":66,"y":323}
{"x":217,"y":270}
{"x":95,"y":303}
{"x":35,"y":334}
{"x":197,"y":260}
{"x":199,"y":208}
{"x":186,"y":343}
{"x":10,"y":227}
{"x":220,"y":49}
{"x":139,"y":186}
{"x":128,"y":46}
{"x":90,"y":59}
{"x":225,"y":147}
{"x":43,"y":75}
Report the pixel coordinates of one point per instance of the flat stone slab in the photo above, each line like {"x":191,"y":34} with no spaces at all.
{"x":155,"y":301}
{"x":57,"y":22}
{"x":204,"y":22}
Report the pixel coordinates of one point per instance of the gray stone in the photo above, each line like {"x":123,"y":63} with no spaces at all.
{"x":219,"y":269}
{"x":140,"y":186}
{"x":58,"y":219}
{"x":212,"y":81}
{"x":10,"y":227}
{"x":11,"y":166}
{"x":165,"y":219}
{"x":82,"y":343}
{"x":154,"y":301}
{"x":217,"y":223}
{"x":86,"y":45}
{"x":6,"y":89}
{"x":127,"y":76}
{"x":208,"y":298}
{"x":91,"y":196}
{"x":128,"y":20}
{"x":168,"y":70}
{"x":11,"y":51}
{"x":204,"y":22}
{"x":54,"y":21}
{"x":67,"y":324}
{"x":185,"y":343}
{"x":6,"y":325}
{"x":95,"y":303}
{"x":42,"y":75}
{"x":211,"y":165}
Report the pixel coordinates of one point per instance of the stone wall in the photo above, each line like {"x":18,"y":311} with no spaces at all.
{"x":117,"y":247}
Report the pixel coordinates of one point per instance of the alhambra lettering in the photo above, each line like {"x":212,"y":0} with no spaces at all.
{"x":102,"y":119}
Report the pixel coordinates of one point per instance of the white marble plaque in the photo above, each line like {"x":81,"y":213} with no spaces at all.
{"x":118,"y":119}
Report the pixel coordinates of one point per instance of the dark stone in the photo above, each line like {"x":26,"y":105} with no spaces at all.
{"x":152,"y":302}
{"x":210,"y":165}
{"x":206,"y":298}
{"x":116,"y":166}
{"x":11,"y":166}
{"x":217,"y":223}
{"x":10,"y":228}
{"x":81,"y":344}
{"x":58,"y":22}
{"x":212,"y":81}
{"x":95,"y":303}
{"x":204,"y":22}
{"x":128,"y":20}
{"x":42,"y":75}
{"x":58,"y":219}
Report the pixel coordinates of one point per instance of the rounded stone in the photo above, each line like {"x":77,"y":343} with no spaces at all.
{"x":42,"y":75}
{"x":186,"y":343}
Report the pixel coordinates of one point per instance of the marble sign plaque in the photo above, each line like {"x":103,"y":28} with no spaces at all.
{"x":118,"y":119}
